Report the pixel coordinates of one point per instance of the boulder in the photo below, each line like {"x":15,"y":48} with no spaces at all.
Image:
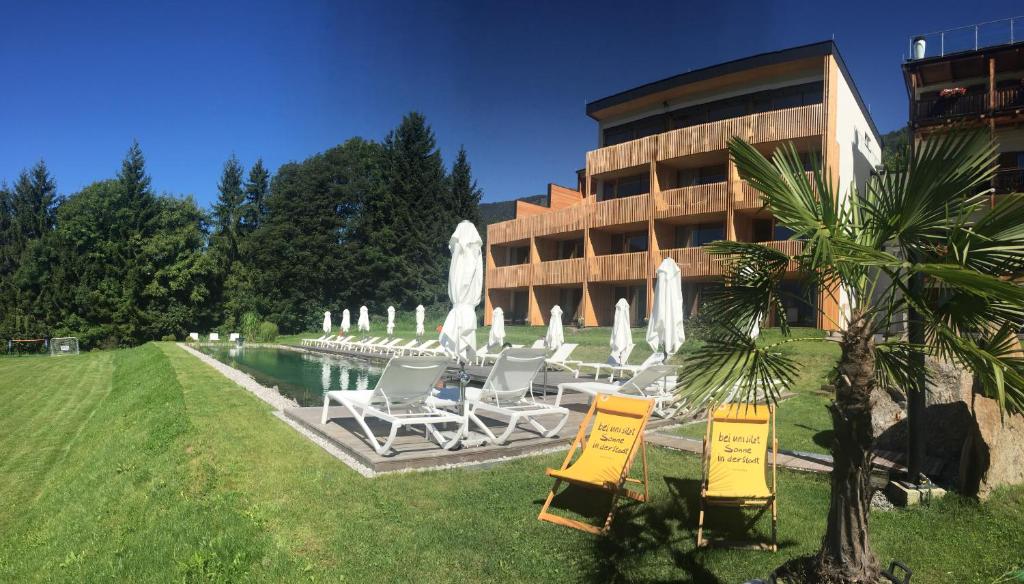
{"x":993,"y":454}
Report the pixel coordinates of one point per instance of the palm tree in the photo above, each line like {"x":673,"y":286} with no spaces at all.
{"x":926,"y":242}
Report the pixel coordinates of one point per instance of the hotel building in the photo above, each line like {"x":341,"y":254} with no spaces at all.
{"x":972,"y":76}
{"x":661,"y":184}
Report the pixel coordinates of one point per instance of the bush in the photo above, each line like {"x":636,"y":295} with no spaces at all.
{"x":250,"y":325}
{"x":170,"y":338}
{"x":267,"y":333}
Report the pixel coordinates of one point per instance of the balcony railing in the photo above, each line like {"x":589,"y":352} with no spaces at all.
{"x":625,"y":210}
{"x":618,"y":267}
{"x":942,"y":108}
{"x":559,"y":272}
{"x":1008,"y":98}
{"x":694,"y":261}
{"x":695,"y":200}
{"x":750,"y":198}
{"x":516,"y":276}
{"x":785,"y":124}
{"x":1007,"y":31}
{"x":1009,"y":181}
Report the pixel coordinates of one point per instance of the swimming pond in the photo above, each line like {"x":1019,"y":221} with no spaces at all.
{"x":299,"y":375}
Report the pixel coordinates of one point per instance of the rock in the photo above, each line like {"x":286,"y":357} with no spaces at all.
{"x":948,"y":418}
{"x":993,"y":454}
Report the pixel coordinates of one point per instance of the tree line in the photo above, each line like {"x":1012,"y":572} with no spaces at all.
{"x":117,"y":264}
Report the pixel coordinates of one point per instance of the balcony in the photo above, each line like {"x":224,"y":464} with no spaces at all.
{"x":1008,"y":99}
{"x":750,"y":198}
{"x":785,"y":124}
{"x":696,"y":262}
{"x":559,"y":272}
{"x":695,"y":200}
{"x":620,"y":211}
{"x":618,"y":267}
{"x":517,"y":276}
{"x":948,"y":108}
{"x":1009,"y":181}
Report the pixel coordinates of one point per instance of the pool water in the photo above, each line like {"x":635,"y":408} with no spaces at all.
{"x":298,"y":375}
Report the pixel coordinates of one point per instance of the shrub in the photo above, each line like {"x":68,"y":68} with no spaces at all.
{"x":250,"y":325}
{"x":170,"y":338}
{"x":267,"y":332}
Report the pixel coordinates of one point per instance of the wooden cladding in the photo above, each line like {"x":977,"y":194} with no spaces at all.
{"x":694,"y":262}
{"x":785,"y":124}
{"x":559,"y":272}
{"x":750,"y":198}
{"x":619,"y":211}
{"x":518,"y":276}
{"x":696,"y":200}
{"x":618,"y":267}
{"x":633,"y":153}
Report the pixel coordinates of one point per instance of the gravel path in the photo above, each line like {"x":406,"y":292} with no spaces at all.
{"x":267,"y":394}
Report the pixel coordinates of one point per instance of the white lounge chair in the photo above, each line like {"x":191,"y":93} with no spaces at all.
{"x":325,"y":341}
{"x":538,"y":344}
{"x":653,"y":359}
{"x":309,"y":342}
{"x":656,"y":382}
{"x":414,"y":350}
{"x":400,"y":399}
{"x":506,"y":393}
{"x":560,"y":359}
{"x":424,"y":349}
{"x":335,"y":342}
{"x":400,"y":349}
{"x":381,"y":346}
{"x":359,"y":345}
{"x":611,"y":362}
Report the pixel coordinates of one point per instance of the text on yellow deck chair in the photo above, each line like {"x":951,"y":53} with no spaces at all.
{"x":736,"y":453}
{"x":617,"y":433}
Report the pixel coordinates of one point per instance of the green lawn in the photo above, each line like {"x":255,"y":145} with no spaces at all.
{"x":147,"y":465}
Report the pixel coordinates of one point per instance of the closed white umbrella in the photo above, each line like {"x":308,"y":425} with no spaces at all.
{"x":555,"y":336}
{"x":755,"y":327}
{"x":391,"y":320}
{"x":622,"y":336}
{"x":419,"y":320}
{"x":465,"y":289}
{"x":327,"y":321}
{"x":665,"y":329}
{"x":364,"y":319}
{"x":497,"y":336}
{"x":346,"y":323}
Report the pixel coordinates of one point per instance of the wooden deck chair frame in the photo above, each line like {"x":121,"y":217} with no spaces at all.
{"x":618,"y":490}
{"x":763,"y":504}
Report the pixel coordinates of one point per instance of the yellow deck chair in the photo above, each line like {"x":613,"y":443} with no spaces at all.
{"x":616,"y":435}
{"x":734,"y":465}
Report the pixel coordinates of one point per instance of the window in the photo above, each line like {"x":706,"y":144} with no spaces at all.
{"x":781,"y":233}
{"x":629,"y":242}
{"x":627,"y":186}
{"x":569,"y":249}
{"x":1011,"y":160}
{"x":699,"y":234}
{"x":704,"y":175}
{"x":761,"y":230}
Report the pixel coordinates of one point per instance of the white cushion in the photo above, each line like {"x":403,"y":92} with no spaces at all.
{"x":590,"y":387}
{"x":359,"y":397}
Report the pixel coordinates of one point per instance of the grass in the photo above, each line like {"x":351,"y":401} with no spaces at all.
{"x":147,"y":465}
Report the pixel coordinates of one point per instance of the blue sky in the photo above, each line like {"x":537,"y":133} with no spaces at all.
{"x":196,"y":82}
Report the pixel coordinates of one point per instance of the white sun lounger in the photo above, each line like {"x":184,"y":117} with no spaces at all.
{"x":506,"y":393}
{"x":611,"y":362}
{"x":653,"y":359}
{"x":308,"y":342}
{"x":400,"y":349}
{"x":560,"y":359}
{"x":400,"y":399}
{"x":657,"y":382}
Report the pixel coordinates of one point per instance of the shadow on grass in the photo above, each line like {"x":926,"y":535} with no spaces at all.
{"x":643,"y":534}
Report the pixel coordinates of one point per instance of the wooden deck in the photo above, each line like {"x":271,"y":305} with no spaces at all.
{"x":414,"y":451}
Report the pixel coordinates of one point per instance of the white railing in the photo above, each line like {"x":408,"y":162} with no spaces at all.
{"x":966,"y":38}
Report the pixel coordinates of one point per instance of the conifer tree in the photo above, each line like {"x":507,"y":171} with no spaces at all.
{"x":465,"y":193}
{"x":227,"y":211}
{"x":257,"y":187}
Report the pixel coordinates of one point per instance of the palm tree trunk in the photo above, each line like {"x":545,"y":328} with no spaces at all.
{"x":845,"y":554}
